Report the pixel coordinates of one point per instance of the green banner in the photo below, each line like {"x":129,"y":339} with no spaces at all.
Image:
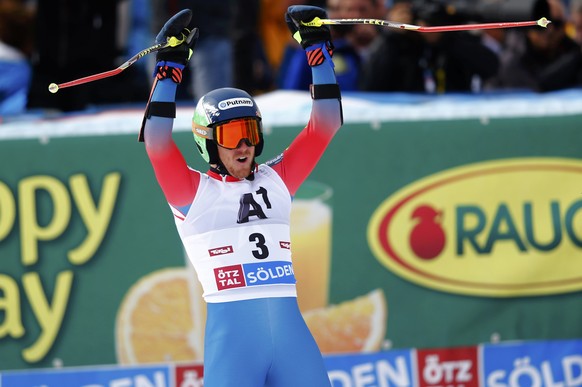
{"x":414,"y":233}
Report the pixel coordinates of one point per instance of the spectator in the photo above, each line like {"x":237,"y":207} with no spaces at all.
{"x":576,"y":20}
{"x":566,"y":71}
{"x":350,"y":46}
{"x":409,"y":61}
{"x":543,"y":59}
{"x":212,"y":61}
{"x":252,"y":72}
{"x":273,"y":30}
{"x":135,"y":33}
{"x":211,"y":65}
{"x":16,"y":40}
{"x":361,"y":36}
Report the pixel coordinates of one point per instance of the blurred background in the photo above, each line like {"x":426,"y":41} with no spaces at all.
{"x":247,"y":45}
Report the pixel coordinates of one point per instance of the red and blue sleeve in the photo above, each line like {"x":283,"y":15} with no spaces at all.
{"x":301,"y":157}
{"x":179,"y":183}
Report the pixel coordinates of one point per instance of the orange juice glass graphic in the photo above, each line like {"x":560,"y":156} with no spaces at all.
{"x":311,"y":217}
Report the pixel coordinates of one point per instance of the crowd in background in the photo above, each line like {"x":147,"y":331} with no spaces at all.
{"x":246,"y":44}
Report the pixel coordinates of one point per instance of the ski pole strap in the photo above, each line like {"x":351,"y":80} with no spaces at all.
{"x":327,"y":91}
{"x":161,"y":109}
{"x":157,"y":109}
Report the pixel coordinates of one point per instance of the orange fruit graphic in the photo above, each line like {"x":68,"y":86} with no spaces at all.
{"x":357,"y":325}
{"x":161,"y":318}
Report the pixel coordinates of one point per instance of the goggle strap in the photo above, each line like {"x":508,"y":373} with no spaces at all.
{"x":202,"y":131}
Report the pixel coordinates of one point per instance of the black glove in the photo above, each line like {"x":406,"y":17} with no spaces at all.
{"x":307,"y":36}
{"x":181,"y":39}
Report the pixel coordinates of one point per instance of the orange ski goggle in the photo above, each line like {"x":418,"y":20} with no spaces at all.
{"x":229,"y":134}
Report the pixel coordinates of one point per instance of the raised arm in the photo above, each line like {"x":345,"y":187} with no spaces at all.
{"x":302,"y":155}
{"x":178,"y":182}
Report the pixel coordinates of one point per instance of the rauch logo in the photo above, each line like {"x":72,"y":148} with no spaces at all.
{"x":501,"y":228}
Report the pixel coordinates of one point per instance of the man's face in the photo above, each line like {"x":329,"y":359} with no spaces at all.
{"x":239,"y":161}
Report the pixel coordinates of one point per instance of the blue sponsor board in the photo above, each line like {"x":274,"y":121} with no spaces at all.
{"x":389,"y":368}
{"x":528,"y":364}
{"x":155,"y":376}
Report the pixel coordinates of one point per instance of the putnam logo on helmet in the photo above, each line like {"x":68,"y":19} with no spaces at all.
{"x":503,"y":228}
{"x":234,"y":102}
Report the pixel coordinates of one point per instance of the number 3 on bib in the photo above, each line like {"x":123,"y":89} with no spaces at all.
{"x":262,"y":251}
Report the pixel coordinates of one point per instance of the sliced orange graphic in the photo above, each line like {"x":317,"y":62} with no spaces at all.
{"x":357,"y":325}
{"x":161,"y":318}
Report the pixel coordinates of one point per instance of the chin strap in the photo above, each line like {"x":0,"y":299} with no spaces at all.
{"x":220,"y":169}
